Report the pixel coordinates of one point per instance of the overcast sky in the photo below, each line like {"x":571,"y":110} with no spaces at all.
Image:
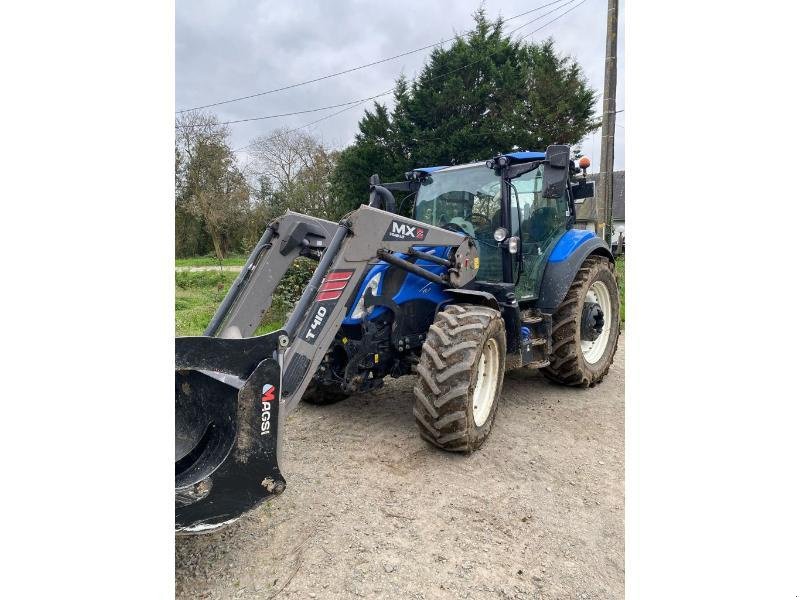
{"x":236,"y":48}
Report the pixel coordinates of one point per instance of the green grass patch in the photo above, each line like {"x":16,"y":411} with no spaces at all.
{"x":234,"y":260}
{"x":197,"y":296}
{"x":620,"y":267}
{"x":199,"y":293}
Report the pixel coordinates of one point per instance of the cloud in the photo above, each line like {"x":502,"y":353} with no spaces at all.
{"x":230,"y":49}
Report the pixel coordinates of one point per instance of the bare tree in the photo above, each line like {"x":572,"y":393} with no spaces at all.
{"x":194,"y":126}
{"x":299,"y":168}
{"x":282,"y":154}
{"x":312,"y":191}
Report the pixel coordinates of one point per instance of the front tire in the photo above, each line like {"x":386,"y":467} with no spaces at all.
{"x":583,"y":349}
{"x":460,"y":376}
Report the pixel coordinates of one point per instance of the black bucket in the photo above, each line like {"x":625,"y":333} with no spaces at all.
{"x":227,"y":404}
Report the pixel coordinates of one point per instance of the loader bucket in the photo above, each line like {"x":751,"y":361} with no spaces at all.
{"x":227,"y":403}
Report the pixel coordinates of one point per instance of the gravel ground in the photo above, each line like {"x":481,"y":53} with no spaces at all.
{"x":373,"y":511}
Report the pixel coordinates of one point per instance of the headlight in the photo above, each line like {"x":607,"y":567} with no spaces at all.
{"x":358,"y":311}
{"x":500,"y":234}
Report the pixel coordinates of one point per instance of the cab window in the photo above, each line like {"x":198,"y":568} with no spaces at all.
{"x":465,"y":199}
{"x":539,"y":223}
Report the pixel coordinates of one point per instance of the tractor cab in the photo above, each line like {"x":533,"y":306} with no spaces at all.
{"x":502,"y":204}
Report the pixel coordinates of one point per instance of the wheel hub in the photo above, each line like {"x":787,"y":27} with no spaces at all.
{"x":592,"y":321}
{"x":595,"y":326}
{"x":486,"y":382}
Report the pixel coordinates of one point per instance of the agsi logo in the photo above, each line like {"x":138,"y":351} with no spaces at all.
{"x":267,"y":396}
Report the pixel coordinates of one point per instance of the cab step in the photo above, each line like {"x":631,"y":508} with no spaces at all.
{"x":537,"y":346}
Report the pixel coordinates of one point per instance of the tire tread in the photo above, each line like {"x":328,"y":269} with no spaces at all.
{"x":443,"y":392}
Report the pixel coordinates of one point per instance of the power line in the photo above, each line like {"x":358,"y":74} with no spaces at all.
{"x":338,"y":112}
{"x":364,"y":66}
{"x":540,"y":16}
{"x":357,"y":103}
{"x":553,"y":20}
{"x":518,"y":39}
{"x":389,"y":91}
{"x":299,"y":112}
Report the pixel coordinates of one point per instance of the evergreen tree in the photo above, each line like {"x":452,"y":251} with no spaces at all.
{"x":484,"y":95}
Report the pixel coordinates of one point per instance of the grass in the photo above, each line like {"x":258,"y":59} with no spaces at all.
{"x":621,"y":279}
{"x":234,"y":260}
{"x":197,"y":296}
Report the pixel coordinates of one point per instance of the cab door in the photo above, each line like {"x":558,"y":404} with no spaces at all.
{"x":539,"y":223}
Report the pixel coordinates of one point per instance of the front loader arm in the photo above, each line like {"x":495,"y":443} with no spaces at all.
{"x":234,"y":392}
{"x":250,"y":296}
{"x":371,"y":233}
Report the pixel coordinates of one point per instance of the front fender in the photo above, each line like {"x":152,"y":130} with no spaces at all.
{"x":474,"y":297}
{"x":563,"y":264}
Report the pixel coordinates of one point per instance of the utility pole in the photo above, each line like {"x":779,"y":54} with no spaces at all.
{"x":606,"y":200}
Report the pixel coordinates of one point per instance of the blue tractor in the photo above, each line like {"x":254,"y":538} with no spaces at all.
{"x":487,"y":275}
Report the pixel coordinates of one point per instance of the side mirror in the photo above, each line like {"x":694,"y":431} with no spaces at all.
{"x":556,"y":171}
{"x":581,"y":190}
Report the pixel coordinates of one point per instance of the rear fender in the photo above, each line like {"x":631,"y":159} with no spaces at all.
{"x":566,"y":258}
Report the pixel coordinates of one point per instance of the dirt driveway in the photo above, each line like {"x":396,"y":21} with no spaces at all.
{"x":372,"y":511}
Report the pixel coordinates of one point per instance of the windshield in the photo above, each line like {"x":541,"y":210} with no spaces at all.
{"x":465,"y":199}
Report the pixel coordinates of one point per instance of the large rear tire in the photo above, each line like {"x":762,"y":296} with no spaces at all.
{"x":576,"y":359}
{"x":460,"y":376}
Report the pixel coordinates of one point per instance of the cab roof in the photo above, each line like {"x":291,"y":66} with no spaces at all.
{"x":515,"y":157}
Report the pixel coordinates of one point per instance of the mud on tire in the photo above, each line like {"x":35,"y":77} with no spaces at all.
{"x":447,"y":374}
{"x":567,"y":363}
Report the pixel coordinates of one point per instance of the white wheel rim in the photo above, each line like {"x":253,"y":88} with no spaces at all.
{"x":485,"y":383}
{"x":593,"y":350}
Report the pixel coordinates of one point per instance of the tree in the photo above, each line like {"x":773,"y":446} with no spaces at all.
{"x":311,"y":193}
{"x":282,"y":154}
{"x":374,"y":151}
{"x":558,"y":104}
{"x":296,"y":169}
{"x":484,"y":95}
{"x":209,"y":188}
